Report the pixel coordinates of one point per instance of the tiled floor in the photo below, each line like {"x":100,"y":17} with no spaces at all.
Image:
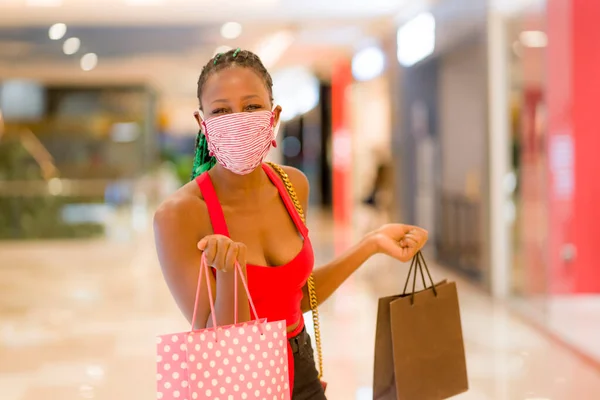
{"x":78,"y":320}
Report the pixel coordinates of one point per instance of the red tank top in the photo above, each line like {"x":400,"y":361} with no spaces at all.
{"x":276,"y":291}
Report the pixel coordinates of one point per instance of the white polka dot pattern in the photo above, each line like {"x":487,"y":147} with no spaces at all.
{"x":244,"y":361}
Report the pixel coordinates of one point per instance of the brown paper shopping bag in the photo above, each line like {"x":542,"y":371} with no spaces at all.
{"x":419,"y":349}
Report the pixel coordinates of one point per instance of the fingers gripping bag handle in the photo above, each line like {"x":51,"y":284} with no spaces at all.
{"x":204,"y":270}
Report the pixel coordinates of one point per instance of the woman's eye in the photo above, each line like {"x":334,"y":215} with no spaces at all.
{"x":252,"y":107}
{"x":218,"y":111}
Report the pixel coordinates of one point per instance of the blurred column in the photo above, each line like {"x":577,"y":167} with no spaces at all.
{"x":498,"y":151}
{"x":574,"y":144}
{"x":341,"y":80}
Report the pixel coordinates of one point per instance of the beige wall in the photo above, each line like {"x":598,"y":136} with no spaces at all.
{"x":463,"y":119}
{"x":371,"y":132}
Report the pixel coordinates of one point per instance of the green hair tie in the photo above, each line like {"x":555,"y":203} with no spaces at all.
{"x":217,"y":58}
{"x":235,"y":53}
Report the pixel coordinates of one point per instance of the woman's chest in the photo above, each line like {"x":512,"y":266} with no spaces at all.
{"x":270,"y":236}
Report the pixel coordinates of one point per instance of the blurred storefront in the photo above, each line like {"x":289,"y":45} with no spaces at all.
{"x":493,"y":152}
{"x":439,"y":147}
{"x":554,"y":279}
{"x":70,"y":156}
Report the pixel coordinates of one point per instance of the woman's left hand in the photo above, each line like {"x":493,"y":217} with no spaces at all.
{"x":400,"y":241}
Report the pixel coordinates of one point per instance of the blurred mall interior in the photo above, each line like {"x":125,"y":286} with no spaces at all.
{"x":470,"y":118}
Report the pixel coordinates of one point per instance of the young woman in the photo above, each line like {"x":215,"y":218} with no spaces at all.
{"x":237,"y":209}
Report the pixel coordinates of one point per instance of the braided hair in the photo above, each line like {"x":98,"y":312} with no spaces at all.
{"x":203,"y":161}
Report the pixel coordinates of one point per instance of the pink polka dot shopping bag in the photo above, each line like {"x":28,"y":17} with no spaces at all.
{"x":236,"y":362}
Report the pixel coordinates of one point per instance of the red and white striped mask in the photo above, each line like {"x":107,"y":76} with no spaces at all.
{"x":241,"y":141}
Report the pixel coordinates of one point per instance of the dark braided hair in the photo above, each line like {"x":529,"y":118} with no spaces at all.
{"x":203,"y":161}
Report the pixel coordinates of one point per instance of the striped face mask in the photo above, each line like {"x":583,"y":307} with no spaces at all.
{"x":240,"y":141}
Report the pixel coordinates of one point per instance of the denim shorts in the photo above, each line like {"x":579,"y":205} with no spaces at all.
{"x":307,"y":385}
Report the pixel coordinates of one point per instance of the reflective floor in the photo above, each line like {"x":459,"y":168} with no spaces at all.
{"x":573,"y":318}
{"x":78,"y":321}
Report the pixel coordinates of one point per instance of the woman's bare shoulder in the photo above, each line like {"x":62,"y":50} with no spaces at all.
{"x":296,"y":176}
{"x":185,"y":207}
{"x":300,"y":183}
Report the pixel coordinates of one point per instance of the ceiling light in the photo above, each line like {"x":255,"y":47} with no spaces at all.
{"x":71,"y":46}
{"x":296,"y":90}
{"x":368,"y":63}
{"x":89,"y":61}
{"x":57,"y":31}
{"x":231,"y":30}
{"x":273,"y":47}
{"x":416,"y":39}
{"x":534,"y":39}
{"x":221,"y":49}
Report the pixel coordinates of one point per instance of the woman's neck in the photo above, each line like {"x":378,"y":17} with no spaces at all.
{"x":234,"y":185}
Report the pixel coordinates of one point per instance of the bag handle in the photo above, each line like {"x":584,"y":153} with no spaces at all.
{"x":419,"y":262}
{"x":312,"y":290}
{"x":235,"y":296}
{"x":238,"y":271}
{"x":204,"y":269}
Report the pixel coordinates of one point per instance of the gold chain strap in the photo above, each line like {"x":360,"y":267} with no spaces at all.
{"x":312,"y":292}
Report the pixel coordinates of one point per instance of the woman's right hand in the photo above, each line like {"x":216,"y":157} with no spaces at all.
{"x":221,"y":252}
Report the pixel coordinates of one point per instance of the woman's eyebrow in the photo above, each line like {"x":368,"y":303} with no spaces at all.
{"x":247,"y":97}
